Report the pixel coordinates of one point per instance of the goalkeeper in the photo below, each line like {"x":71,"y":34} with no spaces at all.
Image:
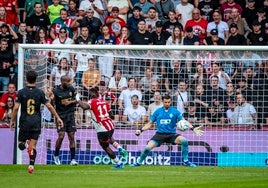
{"x":166,"y":118}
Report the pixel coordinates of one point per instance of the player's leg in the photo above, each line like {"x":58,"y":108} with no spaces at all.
{"x":151,"y":145}
{"x":104,"y":141}
{"x":184,"y":148}
{"x":72,"y":147}
{"x":32,"y":149}
{"x":58,"y":144}
{"x":116,"y":145}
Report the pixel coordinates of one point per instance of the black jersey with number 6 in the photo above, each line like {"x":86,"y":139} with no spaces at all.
{"x":30,"y":99}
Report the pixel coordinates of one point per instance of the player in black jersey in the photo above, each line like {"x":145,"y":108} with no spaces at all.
{"x":30,"y":99}
{"x":64,"y":99}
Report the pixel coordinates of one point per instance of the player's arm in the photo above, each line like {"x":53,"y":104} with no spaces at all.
{"x":196,"y":130}
{"x":14,"y":115}
{"x":82,"y":104}
{"x":144,"y":128}
{"x":53,"y":111}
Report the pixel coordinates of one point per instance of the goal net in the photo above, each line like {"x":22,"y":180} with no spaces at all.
{"x":222,"y":88}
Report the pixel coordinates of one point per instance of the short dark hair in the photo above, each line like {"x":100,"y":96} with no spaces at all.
{"x":93,"y":93}
{"x":166,"y":97}
{"x":31,"y":76}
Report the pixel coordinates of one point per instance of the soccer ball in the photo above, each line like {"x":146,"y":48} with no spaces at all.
{"x":182,"y":125}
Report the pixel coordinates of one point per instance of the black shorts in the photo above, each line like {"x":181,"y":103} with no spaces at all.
{"x":161,"y":138}
{"x":27,"y":135}
{"x":68,"y":123}
{"x":105,"y":136}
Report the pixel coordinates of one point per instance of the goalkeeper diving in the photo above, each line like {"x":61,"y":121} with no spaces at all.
{"x":166,"y":118}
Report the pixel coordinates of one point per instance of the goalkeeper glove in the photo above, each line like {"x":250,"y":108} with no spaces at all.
{"x":138,"y":132}
{"x":198,"y":131}
{"x":77,"y":97}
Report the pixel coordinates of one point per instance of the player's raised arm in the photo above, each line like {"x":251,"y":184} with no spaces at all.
{"x":82,"y":104}
{"x":196,"y":130}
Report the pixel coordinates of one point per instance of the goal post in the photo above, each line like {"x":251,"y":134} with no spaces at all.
{"x":224,"y":143}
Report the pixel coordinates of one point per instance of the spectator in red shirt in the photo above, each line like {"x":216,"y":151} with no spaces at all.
{"x":11,"y":92}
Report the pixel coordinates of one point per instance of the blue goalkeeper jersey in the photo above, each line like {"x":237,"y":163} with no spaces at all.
{"x":166,"y":119}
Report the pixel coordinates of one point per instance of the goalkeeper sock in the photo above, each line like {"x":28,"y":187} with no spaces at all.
{"x":184,"y":148}
{"x":144,"y":154}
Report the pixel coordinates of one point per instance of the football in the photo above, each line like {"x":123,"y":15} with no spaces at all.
{"x":182,"y":125}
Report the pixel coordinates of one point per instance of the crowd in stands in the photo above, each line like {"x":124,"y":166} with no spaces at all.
{"x":215,"y":92}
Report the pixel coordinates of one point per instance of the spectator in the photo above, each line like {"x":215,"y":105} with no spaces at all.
{"x":156,"y":104}
{"x":3,"y":17}
{"x":230,"y":114}
{"x":249,"y":12}
{"x":90,"y":78}
{"x":192,"y":115}
{"x":229,"y":94}
{"x":30,"y":8}
{"x":62,"y":39}
{"x":122,"y":6}
{"x":221,"y":26}
{"x":242,"y":88}
{"x":190,"y":38}
{"x":122,"y":38}
{"x":141,"y":36}
{"x":6,"y":62}
{"x":145,"y":82}
{"x":148,"y":96}
{"x":200,"y":77}
{"x":181,"y":97}
{"x":63,"y":21}
{"x":63,"y":68}
{"x":184,"y":12}
{"x":214,"y":118}
{"x":12,"y":11}
{"x":242,"y":25}
{"x":214,"y":39}
{"x":105,"y":94}
{"x":132,"y":21}
{"x":205,"y":58}
{"x":144,"y":5}
{"x":124,"y":99}
{"x":174,"y":75}
{"x":250,"y":59}
{"x":222,"y":76}
{"x":207,"y":7}
{"x":135,"y":114}
{"x":262,"y":17}
{"x":257,"y":36}
{"x":37,"y":19}
{"x":72,"y":11}
{"x":94,"y":5}
{"x":85,"y":37}
{"x":235,"y":38}
{"x":245,"y":113}
{"x":226,"y":9}
{"x":200,"y":100}
{"x":54,"y":10}
{"x":198,"y":24}
{"x":151,"y":19}
{"x":11,"y":92}
{"x":163,"y":7}
{"x":117,"y":83}
{"x":8,"y":110}
{"x":114,"y":22}
{"x":172,"y":22}
{"x":89,"y":20}
{"x":24,"y":37}
{"x":8,"y":33}
{"x":214,"y":91}
{"x":176,"y":37}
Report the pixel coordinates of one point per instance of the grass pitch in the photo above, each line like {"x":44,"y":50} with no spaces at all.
{"x":103,"y":176}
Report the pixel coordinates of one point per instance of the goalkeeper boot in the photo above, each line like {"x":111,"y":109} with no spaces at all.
{"x":73,"y":162}
{"x":188,"y":163}
{"x":56,"y":160}
{"x":135,"y":164}
{"x":119,"y":166}
{"x":30,"y":169}
{"x":123,"y":152}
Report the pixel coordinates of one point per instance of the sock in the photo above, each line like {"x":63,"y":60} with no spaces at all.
{"x":32,"y":157}
{"x":72,"y":150}
{"x":184,"y":148}
{"x":117,"y":146}
{"x":116,"y":160}
{"x":144,"y":154}
{"x":57,"y":151}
